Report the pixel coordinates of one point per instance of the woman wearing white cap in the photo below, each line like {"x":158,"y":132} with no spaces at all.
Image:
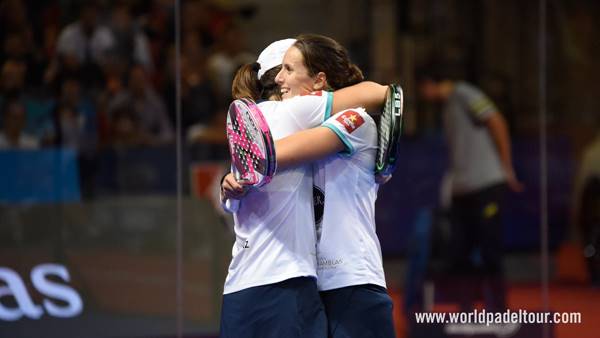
{"x":270,"y":289}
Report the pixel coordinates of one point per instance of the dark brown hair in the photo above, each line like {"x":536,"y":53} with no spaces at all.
{"x":247,"y":85}
{"x":324,"y":54}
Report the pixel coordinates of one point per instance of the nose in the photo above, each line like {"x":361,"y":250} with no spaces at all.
{"x":279,"y":77}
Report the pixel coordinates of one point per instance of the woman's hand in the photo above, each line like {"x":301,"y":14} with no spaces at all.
{"x":231,"y":188}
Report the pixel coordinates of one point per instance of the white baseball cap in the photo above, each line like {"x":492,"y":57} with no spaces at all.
{"x":272,"y":56}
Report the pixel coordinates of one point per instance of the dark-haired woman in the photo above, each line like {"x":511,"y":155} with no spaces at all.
{"x":271,"y":288}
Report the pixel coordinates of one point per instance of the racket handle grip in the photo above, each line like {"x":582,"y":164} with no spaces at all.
{"x":232,"y":205}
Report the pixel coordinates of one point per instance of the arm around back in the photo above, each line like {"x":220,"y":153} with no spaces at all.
{"x":367,"y":94}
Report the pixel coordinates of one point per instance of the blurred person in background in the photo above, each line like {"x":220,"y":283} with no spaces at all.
{"x":479,"y":171}
{"x":586,"y":206}
{"x":125,"y":131}
{"x":69,"y":127}
{"x":130,"y":45}
{"x":75,"y":128}
{"x":198,"y":97}
{"x":156,"y":24}
{"x":83,"y":47}
{"x":146,"y":105}
{"x":13,"y":77}
{"x":228,"y":56}
{"x":13,"y":19}
{"x":14,"y":23}
{"x":12,"y":135}
{"x":48,"y":28}
{"x":17,"y":46}
{"x":74,"y":118}
{"x":208,"y":18}
{"x":21,"y":37}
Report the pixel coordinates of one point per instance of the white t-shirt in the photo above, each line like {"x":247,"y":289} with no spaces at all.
{"x":73,"y":41}
{"x":348,"y":250}
{"x":274,"y":225}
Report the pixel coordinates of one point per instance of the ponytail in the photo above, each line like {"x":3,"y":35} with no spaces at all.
{"x":355,"y":76}
{"x":246,"y":84}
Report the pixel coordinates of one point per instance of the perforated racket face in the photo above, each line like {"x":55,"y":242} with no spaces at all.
{"x":389,"y":130}
{"x":247,"y":146}
{"x":262,"y":125}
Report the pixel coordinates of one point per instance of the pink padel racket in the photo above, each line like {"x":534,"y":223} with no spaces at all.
{"x":251,"y":145}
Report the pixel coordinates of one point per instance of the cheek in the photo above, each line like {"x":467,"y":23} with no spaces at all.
{"x":303,"y":83}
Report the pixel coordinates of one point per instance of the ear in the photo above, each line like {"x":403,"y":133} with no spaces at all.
{"x":320,"y":81}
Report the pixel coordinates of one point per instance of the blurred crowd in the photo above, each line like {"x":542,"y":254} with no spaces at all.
{"x":93,"y":74}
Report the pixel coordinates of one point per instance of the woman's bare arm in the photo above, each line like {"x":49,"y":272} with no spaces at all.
{"x":367,"y":94}
{"x":317,"y":143}
{"x":307,"y":146}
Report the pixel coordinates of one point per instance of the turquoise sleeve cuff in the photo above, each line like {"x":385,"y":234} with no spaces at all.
{"x":329,"y":106}
{"x":349,"y":151}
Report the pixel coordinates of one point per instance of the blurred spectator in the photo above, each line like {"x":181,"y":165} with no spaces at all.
{"x":130,"y":45}
{"x":12,"y":78}
{"x":156,"y":25}
{"x":12,"y":135}
{"x":17,"y":34}
{"x":83,"y":47}
{"x":480,"y":168}
{"x":199,"y":16}
{"x":587,"y":206}
{"x":17,"y":46}
{"x":229,"y":55}
{"x":49,"y":28}
{"x":13,"y":18}
{"x":125,"y":130}
{"x":12,"y":84}
{"x":69,"y":126}
{"x":198,"y":98}
{"x":148,"y":108}
{"x":74,"y":119}
{"x":86,"y":40}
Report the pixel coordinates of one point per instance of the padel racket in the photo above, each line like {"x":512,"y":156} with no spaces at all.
{"x":251,"y":145}
{"x":389,"y":130}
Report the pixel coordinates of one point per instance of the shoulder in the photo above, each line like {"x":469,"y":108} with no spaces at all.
{"x":70,"y":32}
{"x":29,"y":142}
{"x":315,"y":93}
{"x":308,"y":97}
{"x":268,"y":105}
{"x":467,"y":89}
{"x":313,"y":99}
{"x":270,"y":109}
{"x":592,"y":151}
{"x":102,"y":33}
{"x":478,"y":104}
{"x":71,"y":29}
{"x":351,"y":120}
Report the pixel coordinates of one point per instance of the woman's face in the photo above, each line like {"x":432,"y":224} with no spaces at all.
{"x":294,"y":78}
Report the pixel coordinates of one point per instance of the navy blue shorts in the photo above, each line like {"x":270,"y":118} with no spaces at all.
{"x":359,"y":311}
{"x":291,"y":308}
